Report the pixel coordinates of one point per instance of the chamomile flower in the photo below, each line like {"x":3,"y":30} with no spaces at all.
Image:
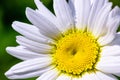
{"x":79,"y":42}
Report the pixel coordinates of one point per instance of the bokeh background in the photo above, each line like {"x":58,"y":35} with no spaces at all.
{"x":11,"y":10}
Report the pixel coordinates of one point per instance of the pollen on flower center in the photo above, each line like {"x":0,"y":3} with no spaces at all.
{"x":76,"y":53}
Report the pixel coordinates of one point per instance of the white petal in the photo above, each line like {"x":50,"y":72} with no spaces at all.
{"x":29,"y":31}
{"x":76,"y":78}
{"x":101,"y":19}
{"x":82,"y":9}
{"x":37,"y":62}
{"x":110,"y":64}
{"x":96,"y":7}
{"x":116,"y":40}
{"x":63,"y":14}
{"x":112,"y":26}
{"x":34,"y":46}
{"x":90,"y":76}
{"x":85,"y":76}
{"x":110,"y":51}
{"x":45,"y":26}
{"x":15,"y":76}
{"x":103,"y":76}
{"x":49,"y":75}
{"x":71,"y":4}
{"x":92,"y":1}
{"x":22,"y":53}
{"x":64,"y":77}
{"x":29,"y":68}
{"x":44,"y":11}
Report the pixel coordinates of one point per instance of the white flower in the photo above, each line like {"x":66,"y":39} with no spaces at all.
{"x":79,"y":42}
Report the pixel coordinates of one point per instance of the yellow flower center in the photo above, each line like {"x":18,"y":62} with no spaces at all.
{"x":76,"y":52}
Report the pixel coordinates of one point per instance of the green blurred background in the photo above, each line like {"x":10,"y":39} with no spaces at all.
{"x":11,"y":10}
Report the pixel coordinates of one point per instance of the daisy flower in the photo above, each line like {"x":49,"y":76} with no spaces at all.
{"x":79,"y":42}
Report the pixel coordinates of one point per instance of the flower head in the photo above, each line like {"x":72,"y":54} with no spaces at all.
{"x":79,"y":42}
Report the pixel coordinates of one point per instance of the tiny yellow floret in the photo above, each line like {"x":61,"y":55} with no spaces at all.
{"x":76,"y":53}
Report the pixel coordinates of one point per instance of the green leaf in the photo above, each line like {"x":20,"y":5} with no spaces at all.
{"x":115,"y":2}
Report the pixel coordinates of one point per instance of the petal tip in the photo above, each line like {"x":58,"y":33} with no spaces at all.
{"x":28,"y":10}
{"x":8,"y":49}
{"x":9,"y":74}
